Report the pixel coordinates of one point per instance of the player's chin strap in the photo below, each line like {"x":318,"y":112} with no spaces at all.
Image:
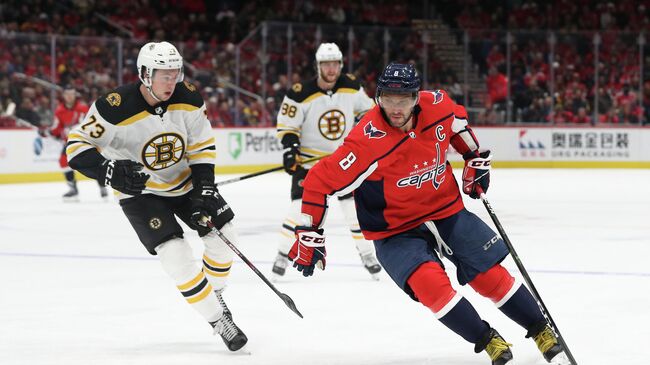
{"x":152,"y":94}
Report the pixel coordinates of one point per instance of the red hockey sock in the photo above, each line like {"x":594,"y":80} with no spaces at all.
{"x":431,"y":286}
{"x":495,"y":284}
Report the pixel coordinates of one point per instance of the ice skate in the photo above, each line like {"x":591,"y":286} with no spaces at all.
{"x":547,"y":343}
{"x":232,"y":336}
{"x":226,"y":311}
{"x":103,"y":192}
{"x":72,"y":195}
{"x":371,"y":264}
{"x":496,"y":347}
{"x":280,"y":264}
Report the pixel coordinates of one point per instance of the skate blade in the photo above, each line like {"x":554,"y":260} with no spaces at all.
{"x":242,"y":351}
{"x":375,"y":277}
{"x":73,"y":199}
{"x":560,"y":359}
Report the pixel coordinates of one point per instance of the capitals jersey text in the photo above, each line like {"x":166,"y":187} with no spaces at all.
{"x":322,"y":119}
{"x":400,"y":179}
{"x":166,"y":138}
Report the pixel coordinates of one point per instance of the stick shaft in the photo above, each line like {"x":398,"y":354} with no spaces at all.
{"x":526,"y":277}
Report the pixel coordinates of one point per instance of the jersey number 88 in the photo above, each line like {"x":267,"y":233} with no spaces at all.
{"x":288,"y":110}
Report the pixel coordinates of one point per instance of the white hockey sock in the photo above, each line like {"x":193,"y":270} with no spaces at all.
{"x":287,"y":235}
{"x":178,"y":262}
{"x":217,"y":257}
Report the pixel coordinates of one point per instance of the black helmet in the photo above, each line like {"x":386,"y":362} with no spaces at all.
{"x":399,"y":78}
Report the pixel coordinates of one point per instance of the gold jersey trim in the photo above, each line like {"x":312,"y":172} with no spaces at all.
{"x":199,"y":145}
{"x":135,"y":118}
{"x":182,"y":106}
{"x":178,"y":180}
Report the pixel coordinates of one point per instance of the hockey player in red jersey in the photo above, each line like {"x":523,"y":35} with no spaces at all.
{"x":408,"y":202}
{"x":68,"y":114}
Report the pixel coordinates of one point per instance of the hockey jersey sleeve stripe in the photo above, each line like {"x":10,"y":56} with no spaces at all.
{"x":135,"y":118}
{"x":74,"y":146}
{"x":160,"y":186}
{"x":77,"y":137}
{"x":182,"y":106}
{"x":208,"y":155}
{"x":201,"y":144}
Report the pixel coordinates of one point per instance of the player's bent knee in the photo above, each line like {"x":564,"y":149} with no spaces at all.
{"x":432,"y":288}
{"x":177,"y":259}
{"x":494,"y":284}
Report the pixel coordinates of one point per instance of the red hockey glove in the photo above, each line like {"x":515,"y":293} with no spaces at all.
{"x":476,"y":174}
{"x":308,"y":250}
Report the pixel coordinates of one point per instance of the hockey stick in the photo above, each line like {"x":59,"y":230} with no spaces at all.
{"x":264,"y":172}
{"x":285,"y":298}
{"x":529,"y":282}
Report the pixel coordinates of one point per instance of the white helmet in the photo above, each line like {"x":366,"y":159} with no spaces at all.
{"x":158,"y":56}
{"x":328,"y":52}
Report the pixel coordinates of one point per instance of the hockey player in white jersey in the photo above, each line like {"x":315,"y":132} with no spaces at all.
{"x":152,"y":142}
{"x":314,"y":118}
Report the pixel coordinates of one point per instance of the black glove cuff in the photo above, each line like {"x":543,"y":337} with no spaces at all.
{"x":290,"y":140}
{"x":202,"y":173}
{"x":470,"y":155}
{"x":310,"y":228}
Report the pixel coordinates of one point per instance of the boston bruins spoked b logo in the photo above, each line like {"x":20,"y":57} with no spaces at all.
{"x":332,"y":124}
{"x":163,"y":151}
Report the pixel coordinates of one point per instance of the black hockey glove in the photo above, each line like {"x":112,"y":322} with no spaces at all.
{"x":291,"y":145}
{"x":208,"y":204}
{"x":123,"y":176}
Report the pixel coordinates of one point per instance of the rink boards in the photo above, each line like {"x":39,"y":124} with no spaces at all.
{"x":25,"y":157}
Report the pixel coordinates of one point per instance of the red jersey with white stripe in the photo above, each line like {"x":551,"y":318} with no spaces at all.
{"x":65,"y":118}
{"x":400,"y":179}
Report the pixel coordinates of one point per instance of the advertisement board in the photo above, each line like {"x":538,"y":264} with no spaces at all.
{"x":26,"y":157}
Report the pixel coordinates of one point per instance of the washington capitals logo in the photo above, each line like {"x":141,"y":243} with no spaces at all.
{"x":437,"y":96}
{"x":372,"y":132}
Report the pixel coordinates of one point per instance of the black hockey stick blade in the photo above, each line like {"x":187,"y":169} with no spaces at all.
{"x":289,"y":302}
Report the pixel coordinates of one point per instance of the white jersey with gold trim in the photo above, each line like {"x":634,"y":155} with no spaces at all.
{"x":322,"y":119}
{"x":166,"y":139}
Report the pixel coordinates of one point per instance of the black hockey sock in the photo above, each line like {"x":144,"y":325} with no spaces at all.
{"x":465,"y":321}
{"x":522,"y":308}
{"x":69,"y":177}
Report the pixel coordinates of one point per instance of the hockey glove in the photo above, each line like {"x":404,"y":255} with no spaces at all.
{"x":308,"y":250}
{"x":123,"y":176}
{"x":208,"y":204}
{"x":291,"y":145}
{"x":476,"y":174}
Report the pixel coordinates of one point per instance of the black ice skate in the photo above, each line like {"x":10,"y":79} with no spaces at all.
{"x":371,"y":264}
{"x":545,"y":340}
{"x":72,"y":195}
{"x":280,"y":264}
{"x":495,"y":346}
{"x":103,"y":192}
{"x":232,"y":336}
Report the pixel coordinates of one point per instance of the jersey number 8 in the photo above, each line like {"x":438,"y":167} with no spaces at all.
{"x":288,"y":110}
{"x":347,"y":161}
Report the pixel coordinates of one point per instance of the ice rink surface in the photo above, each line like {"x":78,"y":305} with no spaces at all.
{"x":78,"y":287}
